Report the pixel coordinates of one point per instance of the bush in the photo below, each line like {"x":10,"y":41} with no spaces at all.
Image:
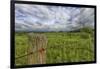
{"x":87,"y":30}
{"x":84,"y":35}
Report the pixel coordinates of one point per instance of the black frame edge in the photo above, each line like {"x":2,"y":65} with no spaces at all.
{"x":56,"y":4}
{"x":58,"y":64}
{"x":12,"y":51}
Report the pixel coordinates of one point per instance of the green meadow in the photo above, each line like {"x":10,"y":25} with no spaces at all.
{"x":62,"y":47}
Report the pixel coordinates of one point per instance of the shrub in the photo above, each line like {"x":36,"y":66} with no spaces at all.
{"x":84,"y":35}
{"x":87,"y":30}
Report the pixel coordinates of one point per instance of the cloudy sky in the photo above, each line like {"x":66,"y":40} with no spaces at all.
{"x":30,"y":17}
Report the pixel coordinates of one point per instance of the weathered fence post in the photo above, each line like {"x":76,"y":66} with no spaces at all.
{"x":37,"y":45}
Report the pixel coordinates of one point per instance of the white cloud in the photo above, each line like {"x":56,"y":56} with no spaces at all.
{"x":49,"y":18}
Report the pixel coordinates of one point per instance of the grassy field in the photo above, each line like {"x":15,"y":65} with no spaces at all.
{"x":62,"y":47}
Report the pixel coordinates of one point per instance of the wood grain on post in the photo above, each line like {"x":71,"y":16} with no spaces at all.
{"x":37,"y":45}
{"x":31,"y":59}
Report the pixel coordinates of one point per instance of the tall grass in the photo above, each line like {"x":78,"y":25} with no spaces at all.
{"x":61,"y":47}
